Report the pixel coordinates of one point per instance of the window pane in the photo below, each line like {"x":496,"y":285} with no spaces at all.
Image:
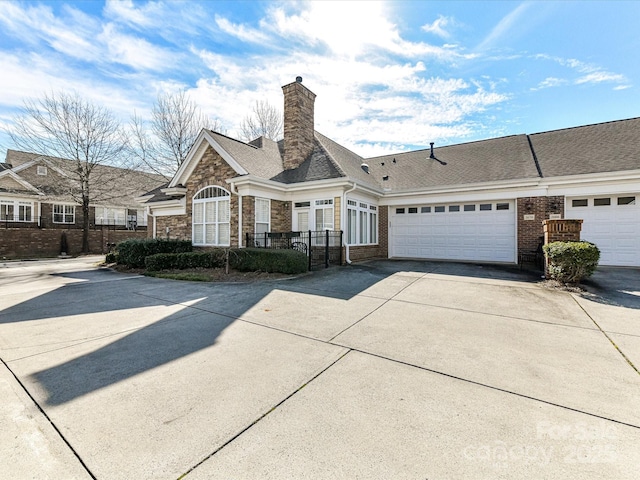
{"x":210,"y":230}
{"x":626,"y":200}
{"x":502,"y":206}
{"x":454,"y":208}
{"x":351,"y":226}
{"x":373,"y":228}
{"x":485,"y":206}
{"x":224,"y":238}
{"x":469,"y":208}
{"x":413,"y":210}
{"x":363,"y":227}
{"x":601,"y":202}
{"x":319,"y":219}
{"x":425,"y":210}
{"x":582,"y":202}
{"x":197,"y":234}
{"x":197,"y":212}
{"x":223,"y":210}
{"x":438,"y":209}
{"x":399,"y":211}
{"x":262,"y":210}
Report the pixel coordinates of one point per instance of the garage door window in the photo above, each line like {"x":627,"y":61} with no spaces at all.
{"x":469,"y":208}
{"x":438,"y":209}
{"x":626,"y":200}
{"x":485,"y":206}
{"x":580,"y":202}
{"x":601,"y":202}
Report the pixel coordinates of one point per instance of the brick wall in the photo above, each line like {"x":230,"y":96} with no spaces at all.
{"x":28,"y":242}
{"x":298,"y":124}
{"x":530,"y":230}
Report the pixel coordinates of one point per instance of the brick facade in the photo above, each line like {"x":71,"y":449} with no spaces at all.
{"x":531,"y":230}
{"x":29,"y":242}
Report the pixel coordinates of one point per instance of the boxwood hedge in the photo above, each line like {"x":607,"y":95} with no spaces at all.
{"x":570,"y":262}
{"x":133,"y":252}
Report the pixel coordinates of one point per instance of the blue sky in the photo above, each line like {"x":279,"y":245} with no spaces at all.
{"x":389,"y":76}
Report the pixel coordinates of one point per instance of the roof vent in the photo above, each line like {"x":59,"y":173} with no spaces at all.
{"x":394,"y":159}
{"x":433,"y":157}
{"x":365,"y":167}
{"x":299,"y":79}
{"x":385,"y":178}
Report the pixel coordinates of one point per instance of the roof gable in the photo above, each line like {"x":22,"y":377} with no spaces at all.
{"x":205,"y":138}
{"x":10,"y":181}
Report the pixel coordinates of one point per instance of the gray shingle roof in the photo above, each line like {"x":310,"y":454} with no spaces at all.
{"x":111,"y":186}
{"x":505,"y":158}
{"x":603,"y":147}
{"x":318,"y":166}
{"x":264,"y":162}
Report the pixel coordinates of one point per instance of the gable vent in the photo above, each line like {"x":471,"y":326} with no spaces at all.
{"x":41,"y":170}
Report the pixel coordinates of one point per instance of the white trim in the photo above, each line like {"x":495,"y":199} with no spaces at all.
{"x":20,"y":180}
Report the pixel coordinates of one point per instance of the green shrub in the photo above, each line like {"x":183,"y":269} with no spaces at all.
{"x":111,"y":257}
{"x":268,"y":260}
{"x":570,"y":262}
{"x":168,"y":261}
{"x":133,"y":252}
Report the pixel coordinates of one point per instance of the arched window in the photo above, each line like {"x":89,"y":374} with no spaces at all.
{"x":210,"y":216}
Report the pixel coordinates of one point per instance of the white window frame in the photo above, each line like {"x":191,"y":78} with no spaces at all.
{"x":262,"y":218}
{"x":19,"y":210}
{"x":111,"y":216}
{"x":68,"y":213}
{"x":215,"y":205}
{"x":323,"y":208}
{"x":362,"y":222}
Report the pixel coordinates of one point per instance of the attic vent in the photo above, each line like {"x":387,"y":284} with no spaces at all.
{"x":41,"y":170}
{"x":365,"y":167}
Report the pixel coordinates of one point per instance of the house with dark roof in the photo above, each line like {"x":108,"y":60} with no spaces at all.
{"x":478,"y":201}
{"x":37,"y":192}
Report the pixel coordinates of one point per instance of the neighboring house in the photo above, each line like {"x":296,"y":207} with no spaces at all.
{"x":35,"y":192}
{"x":478,"y":201}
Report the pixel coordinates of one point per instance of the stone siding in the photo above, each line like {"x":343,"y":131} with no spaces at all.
{"x":298,"y":124}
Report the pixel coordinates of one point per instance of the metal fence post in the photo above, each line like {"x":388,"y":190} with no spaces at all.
{"x":326,"y":249}
{"x":309,"y":249}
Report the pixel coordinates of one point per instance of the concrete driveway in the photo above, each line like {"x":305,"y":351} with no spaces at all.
{"x":381,"y":370}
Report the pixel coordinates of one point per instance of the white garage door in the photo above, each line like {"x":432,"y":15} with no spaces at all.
{"x":459,"y":231}
{"x":612,"y":222}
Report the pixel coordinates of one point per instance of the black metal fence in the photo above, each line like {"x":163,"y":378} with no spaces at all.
{"x":323,"y":248}
{"x":46,"y":222}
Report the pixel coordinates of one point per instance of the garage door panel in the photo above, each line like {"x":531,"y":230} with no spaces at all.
{"x":478,"y":235}
{"x":615,"y":229}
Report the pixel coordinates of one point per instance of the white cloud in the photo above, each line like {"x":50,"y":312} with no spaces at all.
{"x":506,"y":25}
{"x":347,"y":28}
{"x":135,"y":52}
{"x":242,"y":32}
{"x":588,"y":72}
{"x":599,"y":77}
{"x":439,"y":26}
{"x":550,"y":82}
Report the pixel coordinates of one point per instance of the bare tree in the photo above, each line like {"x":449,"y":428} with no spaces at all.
{"x":81,"y":139}
{"x":266,"y":121}
{"x":164,"y":143}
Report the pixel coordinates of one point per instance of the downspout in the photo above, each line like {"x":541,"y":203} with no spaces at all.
{"x":235,"y":190}
{"x":345,"y":212}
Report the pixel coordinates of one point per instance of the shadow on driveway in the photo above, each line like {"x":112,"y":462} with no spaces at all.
{"x":204,"y":311}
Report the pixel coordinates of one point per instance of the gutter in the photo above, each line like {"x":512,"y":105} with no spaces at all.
{"x":345,"y":211}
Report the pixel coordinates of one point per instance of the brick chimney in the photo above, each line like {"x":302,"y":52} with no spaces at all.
{"x":298,"y":123}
